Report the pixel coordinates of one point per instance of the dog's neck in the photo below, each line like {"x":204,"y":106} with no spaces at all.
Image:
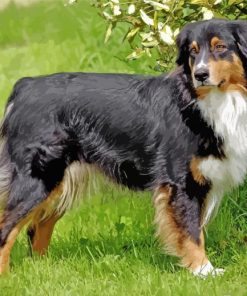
{"x":226,"y":112}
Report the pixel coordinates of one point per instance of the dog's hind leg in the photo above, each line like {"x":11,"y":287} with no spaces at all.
{"x":178,"y":218}
{"x":6,"y":247}
{"x":26,"y":196}
{"x":43,"y":221}
{"x":69,"y":191}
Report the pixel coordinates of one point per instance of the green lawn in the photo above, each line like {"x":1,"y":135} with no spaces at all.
{"x":107,"y":246}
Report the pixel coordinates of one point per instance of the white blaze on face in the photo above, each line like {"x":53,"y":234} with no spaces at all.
{"x":202,"y":64}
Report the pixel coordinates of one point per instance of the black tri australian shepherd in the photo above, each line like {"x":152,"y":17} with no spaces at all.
{"x":182,"y":135}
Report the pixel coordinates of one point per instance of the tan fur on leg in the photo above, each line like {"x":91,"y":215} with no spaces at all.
{"x":6,"y":249}
{"x":43,"y":220}
{"x":40,"y":211}
{"x":175,"y":239}
{"x":42,"y":234}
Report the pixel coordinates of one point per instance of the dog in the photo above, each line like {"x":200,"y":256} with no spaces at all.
{"x":181,"y":135}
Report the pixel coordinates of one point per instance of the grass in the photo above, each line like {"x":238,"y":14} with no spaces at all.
{"x":107,"y":245}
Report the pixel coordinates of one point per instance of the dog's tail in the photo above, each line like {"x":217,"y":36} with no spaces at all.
{"x":6,"y":167}
{"x":5,"y":173}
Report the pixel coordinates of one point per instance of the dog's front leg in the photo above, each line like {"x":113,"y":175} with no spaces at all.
{"x":178,"y":219}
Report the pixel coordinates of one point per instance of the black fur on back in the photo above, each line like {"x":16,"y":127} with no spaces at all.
{"x":140,"y":131}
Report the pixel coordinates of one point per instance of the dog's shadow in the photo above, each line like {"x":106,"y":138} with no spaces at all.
{"x":105,"y":250}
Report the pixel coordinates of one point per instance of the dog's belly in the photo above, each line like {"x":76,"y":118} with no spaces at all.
{"x":79,"y":181}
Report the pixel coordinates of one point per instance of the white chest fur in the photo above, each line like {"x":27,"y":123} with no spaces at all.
{"x":227,"y":114}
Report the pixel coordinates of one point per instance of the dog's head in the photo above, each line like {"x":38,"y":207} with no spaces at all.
{"x":214,"y":53}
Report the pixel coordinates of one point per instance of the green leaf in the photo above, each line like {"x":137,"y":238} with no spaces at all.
{"x":108,"y":32}
{"x":231,"y":2}
{"x":148,"y":52}
{"x":83,"y":241}
{"x":119,"y":227}
{"x":146,"y":18}
{"x":158,"y":5}
{"x":135,"y":55}
{"x":107,"y":16}
{"x":200,"y":2}
{"x":132,"y":33}
{"x":150,"y":44}
{"x":187,"y":11}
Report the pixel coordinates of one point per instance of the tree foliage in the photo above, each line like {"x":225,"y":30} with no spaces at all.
{"x":154,"y":25}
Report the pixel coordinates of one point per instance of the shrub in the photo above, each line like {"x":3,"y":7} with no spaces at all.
{"x":154,"y":25}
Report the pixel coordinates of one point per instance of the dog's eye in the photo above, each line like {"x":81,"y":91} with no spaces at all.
{"x":220,"y":47}
{"x":193,"y":50}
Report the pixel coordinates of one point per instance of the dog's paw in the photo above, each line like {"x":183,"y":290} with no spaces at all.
{"x":206,"y":270}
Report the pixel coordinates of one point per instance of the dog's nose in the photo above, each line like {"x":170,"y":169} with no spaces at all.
{"x":201,"y":74}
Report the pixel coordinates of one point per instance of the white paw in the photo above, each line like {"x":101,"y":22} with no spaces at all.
{"x":207,"y":270}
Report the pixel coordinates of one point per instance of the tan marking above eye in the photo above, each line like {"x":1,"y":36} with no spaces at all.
{"x":194,"y":47}
{"x":217,"y":44}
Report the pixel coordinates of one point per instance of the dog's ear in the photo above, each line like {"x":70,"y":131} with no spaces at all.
{"x":181,"y":42}
{"x":240,"y":35}
{"x":183,"y":50}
